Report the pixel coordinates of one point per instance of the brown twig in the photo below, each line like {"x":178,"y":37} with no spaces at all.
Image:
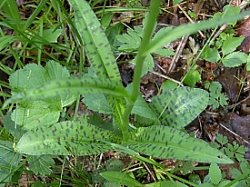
{"x":167,"y":77}
{"x":235,"y":134}
{"x":190,"y":19}
{"x":178,"y":53}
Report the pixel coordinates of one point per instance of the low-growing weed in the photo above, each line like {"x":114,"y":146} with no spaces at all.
{"x":216,"y":97}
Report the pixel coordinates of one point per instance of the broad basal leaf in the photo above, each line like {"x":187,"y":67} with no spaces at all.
{"x":142,"y":108}
{"x":9,"y":160}
{"x":13,"y":129}
{"x":167,"y":142}
{"x":41,"y":164}
{"x":35,"y":114}
{"x":29,"y":114}
{"x":56,"y":71}
{"x":65,"y":138}
{"x":95,"y":41}
{"x":180,"y":106}
{"x":120,"y":178}
{"x":72,"y":86}
{"x":98,"y":103}
{"x":33,"y":76}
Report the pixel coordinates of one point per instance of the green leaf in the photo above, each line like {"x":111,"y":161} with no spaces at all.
{"x":210,"y":54}
{"x":216,"y":97}
{"x":74,"y":86}
{"x":148,"y":65}
{"x":95,"y":41}
{"x":44,"y":111}
{"x":172,"y":34}
{"x":192,"y":77}
{"x":230,"y":11}
{"x":34,"y":76}
{"x":177,"y":1}
{"x":31,"y":76}
{"x":142,"y":108}
{"x":9,"y":160}
{"x":120,"y":178}
{"x":131,"y":40}
{"x":179,"y":107}
{"x":65,"y":138}
{"x":98,"y":103}
{"x":10,"y":8}
{"x":206,"y":185}
{"x":234,"y":59}
{"x":51,"y":35}
{"x":215,"y":173}
{"x":164,"y":52}
{"x":35,"y":114}
{"x":230,"y":44}
{"x":5,"y":40}
{"x":15,"y":130}
{"x":41,"y":164}
{"x":167,"y":142}
{"x":55,"y":71}
{"x":166,"y":183}
{"x":248,"y":63}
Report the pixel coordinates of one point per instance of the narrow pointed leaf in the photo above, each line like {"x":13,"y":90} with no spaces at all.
{"x":167,"y":142}
{"x":65,"y":138}
{"x":95,"y":41}
{"x":170,"y":35}
{"x":71,"y":86}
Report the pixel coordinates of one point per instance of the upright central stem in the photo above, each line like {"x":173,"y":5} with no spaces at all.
{"x":151,"y":19}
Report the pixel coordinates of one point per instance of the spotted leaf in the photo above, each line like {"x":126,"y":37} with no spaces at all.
{"x":178,"y":107}
{"x":65,"y":138}
{"x":167,"y":142}
{"x":71,"y":86}
{"x":96,"y":44}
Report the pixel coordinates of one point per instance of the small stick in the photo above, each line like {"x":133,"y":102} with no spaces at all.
{"x":190,"y":19}
{"x":178,"y":53}
{"x":167,"y":77}
{"x":240,"y":102}
{"x":235,"y":134}
{"x":151,"y":174}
